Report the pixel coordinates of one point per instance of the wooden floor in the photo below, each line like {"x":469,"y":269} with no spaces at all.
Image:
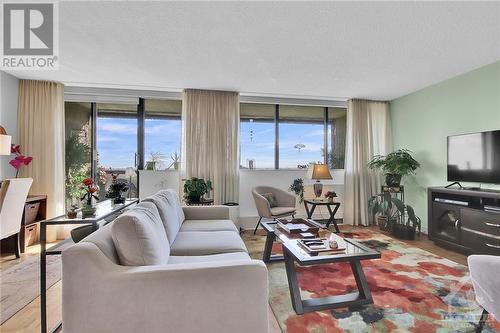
{"x":28,"y":318}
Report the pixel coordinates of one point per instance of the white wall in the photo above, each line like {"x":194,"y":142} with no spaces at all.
{"x":152,"y":181}
{"x":9,"y":91}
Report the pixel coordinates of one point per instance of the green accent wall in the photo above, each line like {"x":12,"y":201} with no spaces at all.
{"x":422,"y":120}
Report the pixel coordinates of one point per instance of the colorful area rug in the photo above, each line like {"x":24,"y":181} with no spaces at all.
{"x":413,"y":291}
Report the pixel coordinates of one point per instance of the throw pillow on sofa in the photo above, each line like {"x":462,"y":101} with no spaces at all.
{"x":140,"y":238}
{"x":271,"y":199}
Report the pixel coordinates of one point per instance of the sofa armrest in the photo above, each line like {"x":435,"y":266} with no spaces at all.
{"x":100,"y":296}
{"x":218,"y":212}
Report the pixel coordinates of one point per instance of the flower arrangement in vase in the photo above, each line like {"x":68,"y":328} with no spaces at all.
{"x":330,"y":195}
{"x":117,"y":187}
{"x":19,"y":160}
{"x":88,"y":209}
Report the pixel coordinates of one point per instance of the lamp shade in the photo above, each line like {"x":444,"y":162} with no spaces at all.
{"x":5,"y":143}
{"x":319,"y":171}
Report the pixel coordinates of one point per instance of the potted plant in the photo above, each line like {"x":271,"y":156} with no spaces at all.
{"x":115,"y":190}
{"x":395,"y":165}
{"x":386,"y":209}
{"x":407,"y":225}
{"x":72,"y":211}
{"x":88,"y":209}
{"x":330,"y":195}
{"x":297,"y":187}
{"x":195,"y":188}
{"x":175,"y":161}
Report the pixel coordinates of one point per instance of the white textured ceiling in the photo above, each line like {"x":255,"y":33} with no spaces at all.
{"x":326,"y":49}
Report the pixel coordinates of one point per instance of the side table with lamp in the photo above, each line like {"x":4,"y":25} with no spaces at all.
{"x":318,"y":172}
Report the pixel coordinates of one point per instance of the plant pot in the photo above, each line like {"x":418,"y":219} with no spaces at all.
{"x":88,"y":211}
{"x":381,"y":222}
{"x":330,"y":200}
{"x":402,"y":231}
{"x":119,"y":200}
{"x":194,"y":197}
{"x":72,"y":215}
{"x":393,"y":180}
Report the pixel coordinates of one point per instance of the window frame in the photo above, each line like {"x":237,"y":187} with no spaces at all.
{"x":277,"y":122}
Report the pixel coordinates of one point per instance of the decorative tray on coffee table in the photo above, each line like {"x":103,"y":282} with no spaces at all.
{"x":298,"y":226}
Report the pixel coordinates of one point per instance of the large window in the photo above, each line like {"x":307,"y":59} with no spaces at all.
{"x":78,"y":132}
{"x":337,"y":121}
{"x":162,"y":134}
{"x":116,"y":144}
{"x":257,"y":132}
{"x":291,"y":136}
{"x":301,"y":136}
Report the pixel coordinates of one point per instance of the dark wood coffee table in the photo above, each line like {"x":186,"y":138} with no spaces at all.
{"x":294,"y":254}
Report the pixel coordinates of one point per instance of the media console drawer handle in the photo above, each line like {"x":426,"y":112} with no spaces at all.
{"x":493,"y":246}
{"x":492,"y":224}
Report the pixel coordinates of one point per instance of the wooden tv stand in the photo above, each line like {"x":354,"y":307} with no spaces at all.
{"x":467,"y":221}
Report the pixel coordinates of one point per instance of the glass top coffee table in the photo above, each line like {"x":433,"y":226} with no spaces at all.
{"x":294,"y":254}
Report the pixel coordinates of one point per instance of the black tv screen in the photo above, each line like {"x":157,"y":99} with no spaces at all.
{"x":474,"y":157}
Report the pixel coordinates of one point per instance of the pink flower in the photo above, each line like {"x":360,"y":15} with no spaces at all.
{"x":16,"y":163}
{"x":28,"y":160}
{"x":15,"y":149}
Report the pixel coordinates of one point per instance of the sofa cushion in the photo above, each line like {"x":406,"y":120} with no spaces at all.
{"x":103,"y":239}
{"x":208,"y":225}
{"x":176,"y":202}
{"x":170,"y":209}
{"x":279,"y":211}
{"x":139,"y":237}
{"x":198,"y":243}
{"x":224,"y":257}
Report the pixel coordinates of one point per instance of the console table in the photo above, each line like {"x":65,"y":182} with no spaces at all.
{"x":105,"y":210}
{"x":464,"y":220}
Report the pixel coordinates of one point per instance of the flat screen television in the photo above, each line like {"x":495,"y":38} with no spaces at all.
{"x":474,"y":157}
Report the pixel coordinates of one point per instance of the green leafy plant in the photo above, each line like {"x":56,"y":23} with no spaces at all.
{"x":195,"y":188}
{"x":393,"y":212}
{"x":77,"y":169}
{"x":175,"y":161}
{"x":155,"y":161}
{"x":297,"y":187}
{"x":395,"y":165}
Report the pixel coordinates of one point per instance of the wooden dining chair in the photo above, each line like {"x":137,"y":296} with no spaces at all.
{"x":13,"y":194}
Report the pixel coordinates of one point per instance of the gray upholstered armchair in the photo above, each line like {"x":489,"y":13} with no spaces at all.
{"x":484,"y":272}
{"x":285,"y":203}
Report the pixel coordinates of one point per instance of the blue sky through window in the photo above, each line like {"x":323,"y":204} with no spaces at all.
{"x":117,"y":140}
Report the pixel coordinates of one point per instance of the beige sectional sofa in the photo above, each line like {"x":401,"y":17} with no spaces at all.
{"x":160,"y":267}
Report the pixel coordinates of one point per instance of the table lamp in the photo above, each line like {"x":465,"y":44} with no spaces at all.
{"x":5,"y":142}
{"x":318,"y":172}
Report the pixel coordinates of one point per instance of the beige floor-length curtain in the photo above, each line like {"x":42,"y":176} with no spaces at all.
{"x":41,"y":135}
{"x":368,"y":134}
{"x":210,"y":140}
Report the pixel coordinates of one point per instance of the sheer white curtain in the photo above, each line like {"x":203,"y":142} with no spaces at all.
{"x":210,"y":140}
{"x":368,"y":134}
{"x":41,"y":135}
